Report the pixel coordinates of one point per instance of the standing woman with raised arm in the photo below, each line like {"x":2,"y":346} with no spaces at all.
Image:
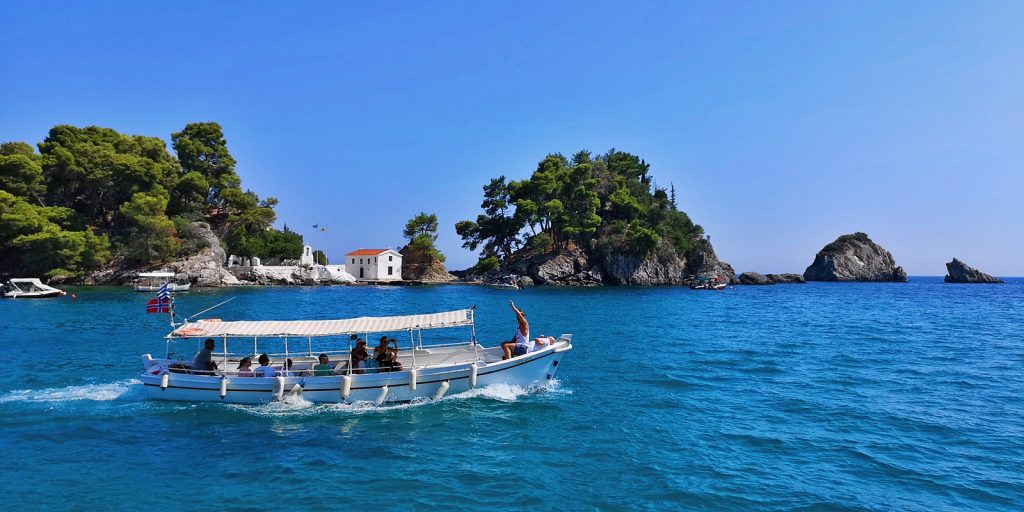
{"x":521,"y":342}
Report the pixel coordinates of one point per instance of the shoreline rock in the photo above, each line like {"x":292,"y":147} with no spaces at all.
{"x":292,"y":275}
{"x":756,"y":279}
{"x":960,"y":272}
{"x":786,"y":278}
{"x":423,"y":268}
{"x":854,"y":258}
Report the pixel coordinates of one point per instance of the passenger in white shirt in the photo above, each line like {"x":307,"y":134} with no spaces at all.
{"x":264,"y":369}
{"x":542,"y":343}
{"x":521,"y":343}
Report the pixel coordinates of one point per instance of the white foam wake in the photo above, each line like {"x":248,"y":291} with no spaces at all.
{"x":297,"y":405}
{"x":129,"y":388}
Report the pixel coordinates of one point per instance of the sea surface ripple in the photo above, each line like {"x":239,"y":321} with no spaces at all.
{"x":789,"y":397}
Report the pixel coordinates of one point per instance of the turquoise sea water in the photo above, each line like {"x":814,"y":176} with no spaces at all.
{"x":820,"y":396}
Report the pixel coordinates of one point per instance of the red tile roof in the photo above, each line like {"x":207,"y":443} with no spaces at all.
{"x":366,"y":252}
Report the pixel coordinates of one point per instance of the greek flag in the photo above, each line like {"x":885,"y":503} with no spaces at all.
{"x":163,"y":293}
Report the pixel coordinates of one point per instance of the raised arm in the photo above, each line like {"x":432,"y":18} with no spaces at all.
{"x":524,"y":326}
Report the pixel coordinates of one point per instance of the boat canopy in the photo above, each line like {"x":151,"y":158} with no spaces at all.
{"x":361,"y":325}
{"x":30,"y":280}
{"x":156,"y":274}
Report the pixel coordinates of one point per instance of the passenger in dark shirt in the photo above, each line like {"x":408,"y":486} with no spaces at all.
{"x":204,"y":359}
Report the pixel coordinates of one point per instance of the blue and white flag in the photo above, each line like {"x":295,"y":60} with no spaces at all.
{"x":163,"y":293}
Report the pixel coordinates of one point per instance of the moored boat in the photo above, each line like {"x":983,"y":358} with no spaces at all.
{"x":424,"y":371}
{"x":29,"y":288}
{"x":708,"y":283}
{"x":153,"y":281}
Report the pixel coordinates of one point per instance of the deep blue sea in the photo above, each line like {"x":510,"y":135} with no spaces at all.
{"x":789,"y":397}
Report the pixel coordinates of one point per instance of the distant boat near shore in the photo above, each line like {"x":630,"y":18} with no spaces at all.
{"x":29,"y":288}
{"x":153,"y":281}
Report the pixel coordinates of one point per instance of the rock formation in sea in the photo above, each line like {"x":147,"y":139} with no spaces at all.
{"x":567,"y":267}
{"x":786,"y":278}
{"x":418,"y":266}
{"x":854,"y":258}
{"x":572,"y":266}
{"x":960,"y":272}
{"x":753,"y":278}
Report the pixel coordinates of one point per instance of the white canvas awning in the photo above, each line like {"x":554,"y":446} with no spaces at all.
{"x":362,"y":325}
{"x":156,"y":274}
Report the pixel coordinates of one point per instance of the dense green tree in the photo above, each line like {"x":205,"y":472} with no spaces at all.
{"x":20,"y":172}
{"x":421,"y":232}
{"x":497,"y":229}
{"x":202,"y":148}
{"x":283,"y":244}
{"x":606,"y":198}
{"x":578,"y":218}
{"x":153,"y":237}
{"x":423,"y":224}
{"x":320,"y":258}
{"x":94,"y":170}
{"x":47,"y":241}
{"x":134,"y":191}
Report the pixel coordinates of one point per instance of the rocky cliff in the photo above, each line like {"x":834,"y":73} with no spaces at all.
{"x":205,"y":267}
{"x":574,"y":267}
{"x":960,"y":272}
{"x":417,"y":266}
{"x":854,"y":258}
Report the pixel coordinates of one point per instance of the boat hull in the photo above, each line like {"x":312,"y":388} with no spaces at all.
{"x":528,"y":370}
{"x":171,"y":287}
{"x":34,"y":295}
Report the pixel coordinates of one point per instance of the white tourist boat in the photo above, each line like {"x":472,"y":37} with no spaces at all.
{"x":29,"y":288}
{"x":153,"y":281}
{"x":430,"y":370}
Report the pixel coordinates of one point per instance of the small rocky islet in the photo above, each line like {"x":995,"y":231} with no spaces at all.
{"x":854,"y":257}
{"x":960,"y":272}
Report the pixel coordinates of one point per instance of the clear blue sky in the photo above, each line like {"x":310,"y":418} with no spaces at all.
{"x":781,"y":124}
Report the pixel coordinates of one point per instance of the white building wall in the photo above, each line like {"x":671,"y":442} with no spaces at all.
{"x":375,"y":268}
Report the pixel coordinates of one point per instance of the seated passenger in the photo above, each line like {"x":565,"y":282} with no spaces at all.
{"x":386,"y":356}
{"x":359,"y":357}
{"x":520,"y":343}
{"x":286,"y":369}
{"x":381,"y":348}
{"x":245,"y":367}
{"x":542,"y":342}
{"x":264,"y":369}
{"x":324,"y":368}
{"x":203,"y":363}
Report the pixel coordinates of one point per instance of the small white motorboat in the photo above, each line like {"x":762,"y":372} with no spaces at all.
{"x":424,"y":371}
{"x":29,"y":288}
{"x":511,"y":283}
{"x":708,"y":283}
{"x":153,"y":281}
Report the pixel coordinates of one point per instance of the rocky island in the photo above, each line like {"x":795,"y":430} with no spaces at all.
{"x":854,"y":258}
{"x":588,"y":220}
{"x":960,"y":272}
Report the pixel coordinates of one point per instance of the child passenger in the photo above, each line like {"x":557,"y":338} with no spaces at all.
{"x":245,"y":367}
{"x":323,"y":369}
